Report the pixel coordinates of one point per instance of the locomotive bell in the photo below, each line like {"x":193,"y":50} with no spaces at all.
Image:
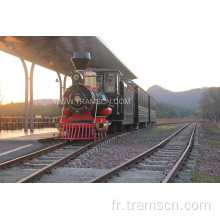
{"x":81,"y":60}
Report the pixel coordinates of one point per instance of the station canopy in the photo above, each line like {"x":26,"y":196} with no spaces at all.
{"x":57,"y":52}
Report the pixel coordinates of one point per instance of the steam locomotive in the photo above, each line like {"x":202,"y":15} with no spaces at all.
{"x":101,"y":101}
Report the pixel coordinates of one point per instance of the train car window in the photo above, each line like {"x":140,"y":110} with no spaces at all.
{"x":141,"y":98}
{"x":117,"y":83}
{"x":110,"y":82}
{"x":145,"y":101}
{"x":99,"y":81}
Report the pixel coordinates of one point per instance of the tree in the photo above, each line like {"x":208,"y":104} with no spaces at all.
{"x":165,"y":110}
{"x":210,"y":104}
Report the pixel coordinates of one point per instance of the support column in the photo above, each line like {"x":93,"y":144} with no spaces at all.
{"x":31,"y":98}
{"x":66,"y":74}
{"x":64,"y":82}
{"x":26,"y":90}
{"x":60,"y":82}
{"x":61,"y":91}
{"x":26,"y":96}
{"x":31,"y":84}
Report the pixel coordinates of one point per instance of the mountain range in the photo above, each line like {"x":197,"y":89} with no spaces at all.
{"x":189,"y":99}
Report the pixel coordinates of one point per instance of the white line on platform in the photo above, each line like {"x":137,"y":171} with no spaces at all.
{"x":19,"y":148}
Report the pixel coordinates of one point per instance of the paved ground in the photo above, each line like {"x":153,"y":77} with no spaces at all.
{"x":20,"y":135}
{"x":10,"y":149}
{"x":16,"y":143}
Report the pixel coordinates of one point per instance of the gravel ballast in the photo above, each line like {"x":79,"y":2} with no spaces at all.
{"x":208,"y":160}
{"x":122,"y":149}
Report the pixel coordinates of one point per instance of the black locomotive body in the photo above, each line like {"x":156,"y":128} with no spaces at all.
{"x":101,"y":101}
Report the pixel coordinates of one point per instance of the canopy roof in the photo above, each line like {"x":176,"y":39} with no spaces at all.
{"x":57,"y":52}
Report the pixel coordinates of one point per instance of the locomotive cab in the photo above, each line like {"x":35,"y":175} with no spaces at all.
{"x":108,"y":81}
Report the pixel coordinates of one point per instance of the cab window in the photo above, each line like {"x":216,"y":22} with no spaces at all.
{"x":99,"y":81}
{"x":110,"y":82}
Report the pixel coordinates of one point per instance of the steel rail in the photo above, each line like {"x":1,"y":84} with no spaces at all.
{"x":131,"y":162}
{"x":36,"y":175}
{"x":170,"y":123}
{"x":181,"y":160}
{"x":31,"y":156}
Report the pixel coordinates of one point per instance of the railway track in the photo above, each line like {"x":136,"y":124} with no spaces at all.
{"x":31,"y":167}
{"x":159,"y":164}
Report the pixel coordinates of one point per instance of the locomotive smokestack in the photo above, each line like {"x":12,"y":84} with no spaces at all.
{"x":81,"y":60}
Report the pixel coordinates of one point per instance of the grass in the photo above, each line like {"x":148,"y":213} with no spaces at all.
{"x":213,"y":140}
{"x":204,"y":178}
{"x":211,"y":133}
{"x":162,"y":128}
{"x":171,"y":120}
{"x":216,"y":143}
{"x":216,"y":131}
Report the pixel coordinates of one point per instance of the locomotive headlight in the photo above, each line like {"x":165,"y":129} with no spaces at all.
{"x":76,"y":77}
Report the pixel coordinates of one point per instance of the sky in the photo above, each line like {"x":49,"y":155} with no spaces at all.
{"x":173,"y":44}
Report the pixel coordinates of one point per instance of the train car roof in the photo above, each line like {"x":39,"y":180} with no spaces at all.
{"x":131,"y":83}
{"x":56,"y":52}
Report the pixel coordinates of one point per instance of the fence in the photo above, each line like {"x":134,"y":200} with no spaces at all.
{"x":16,"y":123}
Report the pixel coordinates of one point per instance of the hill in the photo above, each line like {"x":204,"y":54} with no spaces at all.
{"x":189,"y":99}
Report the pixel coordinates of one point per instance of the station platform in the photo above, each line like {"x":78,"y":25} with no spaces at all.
{"x":20,"y":135}
{"x":17,"y":143}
